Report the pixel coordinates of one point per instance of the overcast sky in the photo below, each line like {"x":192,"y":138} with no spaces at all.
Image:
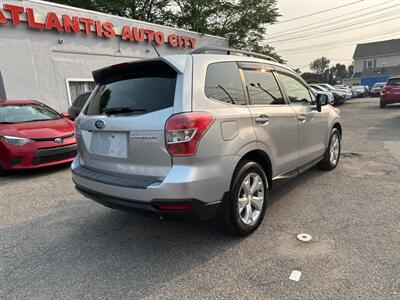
{"x":333,"y":34}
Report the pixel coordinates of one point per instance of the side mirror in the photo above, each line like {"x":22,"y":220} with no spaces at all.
{"x":66,"y":115}
{"x":322,"y":100}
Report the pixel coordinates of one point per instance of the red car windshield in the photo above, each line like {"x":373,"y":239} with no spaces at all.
{"x":23,"y":113}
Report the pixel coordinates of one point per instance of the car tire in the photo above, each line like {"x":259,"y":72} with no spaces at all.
{"x":382,"y":105}
{"x":244,"y":208}
{"x":332,"y":153}
{"x":2,"y":172}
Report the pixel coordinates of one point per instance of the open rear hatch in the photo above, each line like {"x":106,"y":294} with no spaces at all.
{"x":121,"y":131}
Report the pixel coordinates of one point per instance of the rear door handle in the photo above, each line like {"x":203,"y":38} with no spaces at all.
{"x":302,"y":118}
{"x":262,"y":120}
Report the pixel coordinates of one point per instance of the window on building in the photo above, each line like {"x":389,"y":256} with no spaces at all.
{"x":369,"y":64}
{"x":2,"y":89}
{"x":223,"y":83}
{"x":78,"y":87}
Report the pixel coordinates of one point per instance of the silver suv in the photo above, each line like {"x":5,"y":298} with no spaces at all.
{"x":201,"y":135}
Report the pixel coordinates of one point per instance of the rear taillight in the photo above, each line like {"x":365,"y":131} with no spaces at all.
{"x":184,"y":131}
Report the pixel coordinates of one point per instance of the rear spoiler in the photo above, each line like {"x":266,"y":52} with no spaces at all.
{"x":101,"y":74}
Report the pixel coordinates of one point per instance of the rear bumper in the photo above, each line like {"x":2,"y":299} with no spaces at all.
{"x":198,"y":211}
{"x":202,"y":185}
{"x":390,"y":98}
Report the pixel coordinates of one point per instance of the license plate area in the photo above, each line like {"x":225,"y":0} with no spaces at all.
{"x":110,"y":144}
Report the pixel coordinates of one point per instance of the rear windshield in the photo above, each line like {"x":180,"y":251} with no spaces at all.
{"x":393,"y":82}
{"x":13,"y":114}
{"x":140,"y":90}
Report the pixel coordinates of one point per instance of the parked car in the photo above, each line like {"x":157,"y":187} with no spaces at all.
{"x":339,"y":96}
{"x":33,"y":135}
{"x":349,"y":94}
{"x":331,"y":98}
{"x":346,"y":91}
{"x":390,"y":93}
{"x":367,"y":90}
{"x":376,"y":89}
{"x":208,"y":142}
{"x":78,"y":104}
{"x":358,"y":91}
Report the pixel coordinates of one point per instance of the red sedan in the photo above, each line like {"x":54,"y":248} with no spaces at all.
{"x":33,"y":135}
{"x":390,"y":93}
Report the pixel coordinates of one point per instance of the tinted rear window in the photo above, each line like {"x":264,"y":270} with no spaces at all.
{"x":81,"y":100}
{"x":142,"y":89}
{"x":393,"y":82}
{"x":223,"y":83}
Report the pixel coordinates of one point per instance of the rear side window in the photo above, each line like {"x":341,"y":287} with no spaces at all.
{"x":223,"y":83}
{"x":262,"y":87}
{"x":81,"y":100}
{"x":393,"y":82}
{"x":138,"y":89}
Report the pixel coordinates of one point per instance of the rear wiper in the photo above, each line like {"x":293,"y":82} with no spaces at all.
{"x":121,"y":110}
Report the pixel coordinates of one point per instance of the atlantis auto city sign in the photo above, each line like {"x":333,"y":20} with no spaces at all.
{"x":15,"y":14}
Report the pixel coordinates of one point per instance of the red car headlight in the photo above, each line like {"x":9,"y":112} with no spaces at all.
{"x":16,"y":141}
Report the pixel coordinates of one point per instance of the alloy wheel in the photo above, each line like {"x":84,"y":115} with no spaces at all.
{"x":251,"y":198}
{"x":334,"y":150}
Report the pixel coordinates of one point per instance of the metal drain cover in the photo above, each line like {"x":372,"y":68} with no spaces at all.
{"x":304,"y":237}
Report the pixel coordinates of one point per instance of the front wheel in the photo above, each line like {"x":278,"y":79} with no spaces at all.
{"x":247,"y":200}
{"x":332,"y":154}
{"x":382,"y":105}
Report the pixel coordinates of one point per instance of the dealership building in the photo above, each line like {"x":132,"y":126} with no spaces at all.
{"x":48,"y":51}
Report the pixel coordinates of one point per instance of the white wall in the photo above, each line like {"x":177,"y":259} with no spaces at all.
{"x":34,"y":65}
{"x":387,"y":61}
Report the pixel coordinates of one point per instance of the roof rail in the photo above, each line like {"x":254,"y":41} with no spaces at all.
{"x":229,"y":51}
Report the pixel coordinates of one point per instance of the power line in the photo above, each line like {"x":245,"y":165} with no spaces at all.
{"x":330,"y":45}
{"x":334,"y":42}
{"x":312,"y":26}
{"x":320,"y":12}
{"x":363,"y":23}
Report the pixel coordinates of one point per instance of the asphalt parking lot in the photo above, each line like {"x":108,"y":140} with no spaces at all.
{"x":56,"y":244}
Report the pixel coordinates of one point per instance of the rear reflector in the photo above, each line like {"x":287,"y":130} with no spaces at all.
{"x":184,"y":131}
{"x":175,"y":207}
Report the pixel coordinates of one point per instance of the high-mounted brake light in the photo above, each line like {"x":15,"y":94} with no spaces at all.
{"x":120,"y":66}
{"x":184,"y":131}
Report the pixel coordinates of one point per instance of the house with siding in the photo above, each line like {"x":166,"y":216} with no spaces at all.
{"x":376,"y":62}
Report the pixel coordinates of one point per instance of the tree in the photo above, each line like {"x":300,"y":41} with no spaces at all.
{"x":145,"y":10}
{"x":341,"y":71}
{"x":242,"y":22}
{"x":298,"y":71}
{"x":320,"y":64}
{"x":350,"y":70}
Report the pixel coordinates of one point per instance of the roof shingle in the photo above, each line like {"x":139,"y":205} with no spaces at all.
{"x":377,"y":48}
